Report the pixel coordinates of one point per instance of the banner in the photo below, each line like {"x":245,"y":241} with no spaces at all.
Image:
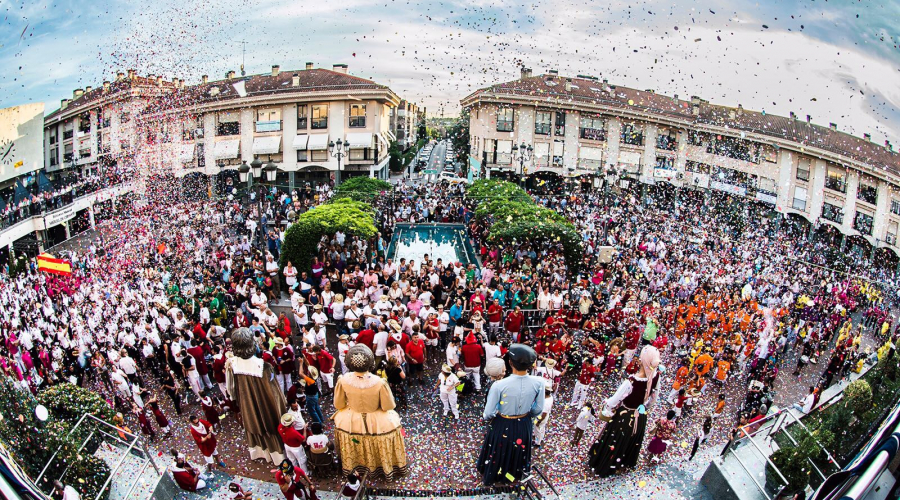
{"x":47,"y":263}
{"x":59,"y":216}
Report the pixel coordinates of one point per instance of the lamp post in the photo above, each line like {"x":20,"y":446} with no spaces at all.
{"x":339,"y":151}
{"x":522,"y":154}
{"x":612,"y":175}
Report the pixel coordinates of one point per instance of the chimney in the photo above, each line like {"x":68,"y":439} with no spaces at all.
{"x":526,"y":72}
{"x":553,"y":72}
{"x":159,"y":81}
{"x":204,"y":79}
{"x":808,"y":119}
{"x":131,"y":74}
{"x":695,"y":109}
{"x":832,"y":126}
{"x":63,"y":104}
{"x":180,"y":83}
{"x":731,"y":114}
{"x":340,"y":68}
{"x":77,"y":93}
{"x":568,"y":85}
{"x":695,"y":100}
{"x":867,"y":137}
{"x":887,"y":145}
{"x":675,"y":97}
{"x":175,"y":81}
{"x":605,"y":86}
{"x":740,"y":110}
{"x":151,"y":77}
{"x":229,"y":75}
{"x":276,"y":69}
{"x":793,"y":116}
{"x":88,"y":89}
{"x":295,"y":80}
{"x":120,"y":76}
{"x":106,"y":86}
{"x":309,"y":65}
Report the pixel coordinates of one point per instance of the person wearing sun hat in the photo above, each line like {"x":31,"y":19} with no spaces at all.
{"x":293,"y":482}
{"x":446,"y":385}
{"x":293,"y":441}
{"x":512,"y":404}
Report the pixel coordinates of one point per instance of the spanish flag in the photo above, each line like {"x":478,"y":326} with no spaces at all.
{"x":47,"y":263}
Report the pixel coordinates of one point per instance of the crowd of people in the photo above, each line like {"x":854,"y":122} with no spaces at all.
{"x":684,"y":309}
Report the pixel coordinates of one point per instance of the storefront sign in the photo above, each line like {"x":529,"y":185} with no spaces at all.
{"x":664,"y":173}
{"x":768,"y":198}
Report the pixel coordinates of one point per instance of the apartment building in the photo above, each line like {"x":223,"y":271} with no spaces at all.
{"x":405,"y":120}
{"x":96,"y":127}
{"x":585,"y":128}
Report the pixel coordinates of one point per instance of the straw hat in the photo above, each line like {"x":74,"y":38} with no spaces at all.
{"x":446,"y":369}
{"x":313,"y":372}
{"x":279,"y":341}
{"x":287,"y":420}
{"x":550,"y":362}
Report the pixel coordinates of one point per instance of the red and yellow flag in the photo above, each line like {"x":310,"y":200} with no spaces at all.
{"x":47,"y":263}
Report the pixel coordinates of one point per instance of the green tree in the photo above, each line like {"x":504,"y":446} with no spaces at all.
{"x":458,"y":134}
{"x":302,"y":237}
{"x":361,"y":188}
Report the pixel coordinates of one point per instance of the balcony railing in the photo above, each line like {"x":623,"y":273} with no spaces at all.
{"x":891,"y":239}
{"x":504,"y":126}
{"x":32,"y":207}
{"x":268,"y":126}
{"x":633,"y":139}
{"x":593,"y":134}
{"x":590,"y":164}
{"x":542,"y":128}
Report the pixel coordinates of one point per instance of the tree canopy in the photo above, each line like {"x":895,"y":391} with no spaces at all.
{"x":491,"y":189}
{"x":345,"y":215}
{"x":361,"y":188}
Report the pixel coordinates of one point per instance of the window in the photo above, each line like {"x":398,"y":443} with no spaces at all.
{"x":697,"y":138}
{"x":867,"y":193}
{"x":302,"y":155}
{"x":632,"y":134}
{"x":560,"y":128}
{"x":667,"y":140}
{"x":302,"y":117}
{"x":53,"y":136}
{"x":320,"y":116}
{"x":891,"y":238}
{"x":803,"y":169}
{"x":542,"y":122}
{"x":357,"y":115}
{"x":505,"y":120}
{"x":268,"y":120}
{"x":863,"y":223}
{"x":733,"y":147}
{"x":833,"y":213}
{"x":836,"y":180}
{"x":54,"y":157}
{"x":593,"y":128}
{"x":895,"y":207}
{"x":558,"y":150}
{"x":696,"y":167}
{"x":84,"y":124}
{"x":799,"y":198}
{"x":228,"y":124}
{"x":359,"y":154}
{"x":665,"y":162}
{"x":201,"y":155}
{"x":67,"y":130}
{"x":319,"y":155}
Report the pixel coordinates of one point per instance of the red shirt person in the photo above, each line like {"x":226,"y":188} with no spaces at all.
{"x":205,"y":437}
{"x":293,"y":482}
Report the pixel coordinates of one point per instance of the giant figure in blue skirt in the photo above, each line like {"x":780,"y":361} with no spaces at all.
{"x":512,"y":405}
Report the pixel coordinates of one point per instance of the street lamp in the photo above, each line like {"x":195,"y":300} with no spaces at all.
{"x":244,"y":172}
{"x":522,"y":154}
{"x":612,"y":175}
{"x":337,"y":150}
{"x":271,"y":171}
{"x":256,"y":165}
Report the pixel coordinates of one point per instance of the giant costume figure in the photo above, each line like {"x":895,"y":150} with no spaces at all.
{"x":251,"y":382}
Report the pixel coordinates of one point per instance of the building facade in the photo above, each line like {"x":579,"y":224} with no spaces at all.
{"x":405,"y":120}
{"x":284,"y":119}
{"x":585,"y":128}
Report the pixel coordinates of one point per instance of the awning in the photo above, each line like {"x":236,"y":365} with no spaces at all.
{"x":359,"y":140}
{"x":382,"y":140}
{"x":300,"y":141}
{"x":227,"y":149}
{"x":187,"y":153}
{"x":317,"y":142}
{"x":267,"y":145}
{"x":391,"y":135}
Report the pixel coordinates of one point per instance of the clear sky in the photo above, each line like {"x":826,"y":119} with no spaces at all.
{"x":838,"y":61}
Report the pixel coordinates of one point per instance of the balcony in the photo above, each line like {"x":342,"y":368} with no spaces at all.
{"x":542,"y":128}
{"x":863,"y":223}
{"x":268,"y":126}
{"x":833,"y":213}
{"x":504,"y":126}
{"x":868,"y":194}
{"x":633,"y":139}
{"x":666,"y":143}
{"x":836,"y":184}
{"x":67,"y":134}
{"x":891,"y":239}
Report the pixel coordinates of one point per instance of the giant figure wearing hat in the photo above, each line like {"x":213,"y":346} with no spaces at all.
{"x":251,"y":383}
{"x":512,"y":404}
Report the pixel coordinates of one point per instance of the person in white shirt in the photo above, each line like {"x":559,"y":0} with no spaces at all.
{"x":491,"y":349}
{"x":446,"y":385}
{"x":128,"y":366}
{"x":380,"y":343}
{"x":540,"y":427}
{"x":65,"y":492}
{"x":453,"y":352}
{"x":301,"y":312}
{"x":343,"y":347}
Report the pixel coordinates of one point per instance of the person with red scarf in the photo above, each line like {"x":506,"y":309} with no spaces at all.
{"x":185,"y":475}
{"x":205,"y":437}
{"x":284,"y":364}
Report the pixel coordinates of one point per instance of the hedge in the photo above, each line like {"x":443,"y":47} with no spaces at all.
{"x":302,"y":237}
{"x":490,"y":189}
